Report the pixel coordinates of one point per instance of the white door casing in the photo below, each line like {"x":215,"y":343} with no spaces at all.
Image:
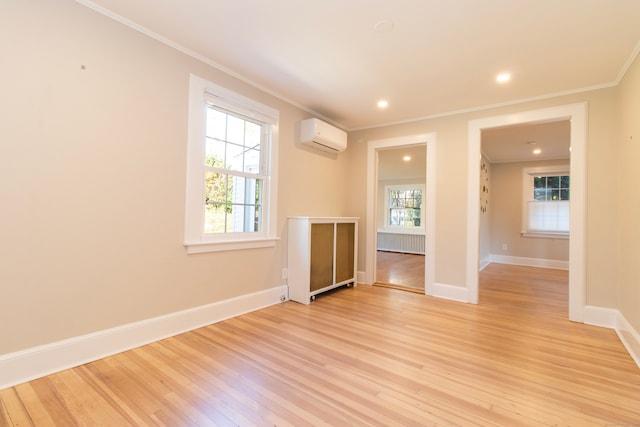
{"x":430,"y":200}
{"x":577,"y":115}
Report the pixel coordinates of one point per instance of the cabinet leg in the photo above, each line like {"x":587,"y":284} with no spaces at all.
{"x":312,"y":298}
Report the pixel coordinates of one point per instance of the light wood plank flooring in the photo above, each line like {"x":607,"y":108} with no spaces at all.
{"x":361,"y":356}
{"x":399,"y":269}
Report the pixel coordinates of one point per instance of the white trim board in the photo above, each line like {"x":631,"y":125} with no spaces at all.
{"x":450,"y":292}
{"x":371,"y":236}
{"x":577,"y":115}
{"x":613,"y":319}
{"x":36,"y":362}
{"x":630,"y":337}
{"x":529,"y":262}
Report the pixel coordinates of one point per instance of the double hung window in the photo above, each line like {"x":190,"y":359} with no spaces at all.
{"x":404,"y":207}
{"x":546,"y":201}
{"x":234,"y":172}
{"x":231,"y":172}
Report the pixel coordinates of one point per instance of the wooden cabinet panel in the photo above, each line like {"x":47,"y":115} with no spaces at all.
{"x":345,"y":251}
{"x":322,"y":254}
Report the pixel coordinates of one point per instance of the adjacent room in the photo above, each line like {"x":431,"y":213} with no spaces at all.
{"x":319,"y":213}
{"x":400,"y":217}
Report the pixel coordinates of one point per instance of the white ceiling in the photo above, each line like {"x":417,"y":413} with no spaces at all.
{"x":516,"y":143}
{"x":441,"y":56}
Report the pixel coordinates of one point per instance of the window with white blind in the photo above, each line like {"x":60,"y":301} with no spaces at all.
{"x":546,"y":201}
{"x":231,"y":171}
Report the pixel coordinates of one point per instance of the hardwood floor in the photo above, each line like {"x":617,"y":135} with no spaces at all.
{"x":399,"y":269}
{"x":361,"y":356}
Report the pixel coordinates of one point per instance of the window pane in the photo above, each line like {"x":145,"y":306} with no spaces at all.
{"x":235,"y":129}
{"x":214,"y":153}
{"x":233,"y":142}
{"x":214,"y":218}
{"x":252,"y":161}
{"x":234,"y":157}
{"x":244,"y":209}
{"x":564,"y":182}
{"x":252,"y":135}
{"x":233,"y":204}
{"x":216,"y":124}
{"x":540,"y":182}
{"x":244,"y":219}
{"x":555,"y":194}
{"x":395,"y":217}
{"x":217,"y":191}
{"x":540,"y":194}
{"x":553,"y":182}
{"x":404,"y":207}
{"x":216,"y":188}
{"x":564,"y":194}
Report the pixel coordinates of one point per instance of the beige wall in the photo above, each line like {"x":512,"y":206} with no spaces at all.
{"x":92,"y":179}
{"x":629,"y":196}
{"x":451,"y":187}
{"x":506,"y":215}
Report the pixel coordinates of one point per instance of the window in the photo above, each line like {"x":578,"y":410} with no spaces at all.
{"x":546,"y":202}
{"x":231,"y":171}
{"x":403,"y":207}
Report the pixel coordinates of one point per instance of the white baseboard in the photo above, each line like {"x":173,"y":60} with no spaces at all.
{"x":613,"y":319}
{"x":36,"y":362}
{"x":629,"y":337}
{"x":455,"y":293}
{"x":484,"y":262}
{"x":599,"y":316}
{"x":530,"y":262}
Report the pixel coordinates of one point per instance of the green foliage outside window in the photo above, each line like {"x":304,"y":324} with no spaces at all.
{"x":551,"y":188}
{"x":404,"y":208}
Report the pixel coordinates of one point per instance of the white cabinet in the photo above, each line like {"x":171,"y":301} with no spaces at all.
{"x":322,"y":255}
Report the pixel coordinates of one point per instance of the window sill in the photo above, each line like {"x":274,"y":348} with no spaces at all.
{"x":562,"y":236}
{"x":229,"y":245}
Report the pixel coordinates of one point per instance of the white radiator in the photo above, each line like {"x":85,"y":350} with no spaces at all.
{"x":405,"y":243}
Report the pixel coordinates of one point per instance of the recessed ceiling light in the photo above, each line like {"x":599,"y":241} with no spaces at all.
{"x":537,"y":151}
{"x":406,"y":158}
{"x":503,"y":77}
{"x":383,"y":103}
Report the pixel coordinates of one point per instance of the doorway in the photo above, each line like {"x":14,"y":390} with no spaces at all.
{"x":576,"y":115}
{"x":525,"y":194}
{"x":400,"y":252}
{"x":374,"y":149}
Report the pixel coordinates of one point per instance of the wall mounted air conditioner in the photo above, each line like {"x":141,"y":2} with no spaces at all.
{"x":322,"y":136}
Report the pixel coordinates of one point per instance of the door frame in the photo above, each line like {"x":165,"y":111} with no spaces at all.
{"x":577,"y":115}
{"x":373,"y":147}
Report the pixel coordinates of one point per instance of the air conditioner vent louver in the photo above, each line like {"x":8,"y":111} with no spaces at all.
{"x":322,"y":136}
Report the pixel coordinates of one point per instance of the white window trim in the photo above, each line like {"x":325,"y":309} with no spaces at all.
{"x":527,"y":191}
{"x":399,"y":229}
{"x":195,"y":240}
